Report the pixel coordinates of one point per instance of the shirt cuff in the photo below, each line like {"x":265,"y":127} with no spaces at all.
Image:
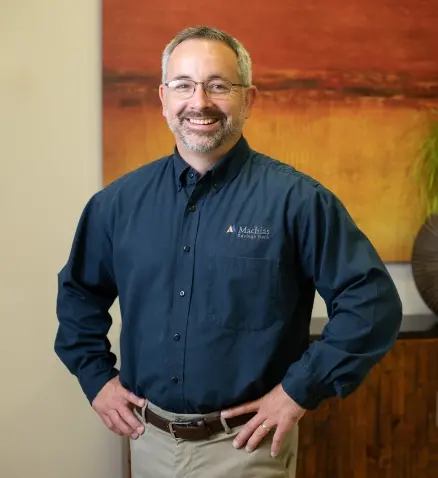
{"x":93,"y":384}
{"x":303,"y":388}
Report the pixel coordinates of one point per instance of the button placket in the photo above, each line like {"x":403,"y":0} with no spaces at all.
{"x":182,"y":294}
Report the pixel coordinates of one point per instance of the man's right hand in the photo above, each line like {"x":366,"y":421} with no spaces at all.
{"x":114,"y":405}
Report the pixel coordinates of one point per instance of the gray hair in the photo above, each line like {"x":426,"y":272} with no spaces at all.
{"x":202,"y":32}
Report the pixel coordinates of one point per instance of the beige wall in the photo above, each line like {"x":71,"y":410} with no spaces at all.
{"x":50,"y":165}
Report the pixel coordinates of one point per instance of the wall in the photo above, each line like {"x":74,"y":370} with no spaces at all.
{"x":51,"y":163}
{"x":50,"y":158}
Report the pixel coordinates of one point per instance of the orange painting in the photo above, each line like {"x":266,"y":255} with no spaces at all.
{"x":343,"y":90}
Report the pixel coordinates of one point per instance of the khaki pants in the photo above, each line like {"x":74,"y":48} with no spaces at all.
{"x":156,"y":454}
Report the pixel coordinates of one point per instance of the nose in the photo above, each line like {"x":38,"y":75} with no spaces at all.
{"x":200,"y":99}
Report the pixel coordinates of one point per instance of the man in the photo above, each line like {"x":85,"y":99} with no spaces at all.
{"x":215,"y":253}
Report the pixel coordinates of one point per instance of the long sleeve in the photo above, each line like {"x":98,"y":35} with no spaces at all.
{"x":86,"y":291}
{"x":363,"y":306}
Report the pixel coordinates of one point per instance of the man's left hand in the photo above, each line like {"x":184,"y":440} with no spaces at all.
{"x":276,"y":410}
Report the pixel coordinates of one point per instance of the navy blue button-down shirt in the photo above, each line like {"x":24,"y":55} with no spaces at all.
{"x":216,"y":278}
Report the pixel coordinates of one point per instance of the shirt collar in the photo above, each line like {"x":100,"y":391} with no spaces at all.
{"x":225,"y":170}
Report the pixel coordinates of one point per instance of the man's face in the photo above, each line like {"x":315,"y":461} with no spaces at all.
{"x":222,"y":118}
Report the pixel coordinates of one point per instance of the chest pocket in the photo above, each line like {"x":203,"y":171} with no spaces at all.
{"x":242,"y":292}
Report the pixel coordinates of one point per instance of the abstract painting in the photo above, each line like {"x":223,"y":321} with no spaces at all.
{"x":344,"y":90}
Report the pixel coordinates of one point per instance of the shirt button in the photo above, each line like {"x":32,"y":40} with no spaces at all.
{"x":175,"y":379}
{"x":176,"y":337}
{"x":182,"y":293}
{"x":191,"y":175}
{"x":186,"y":248}
{"x":192,"y":208}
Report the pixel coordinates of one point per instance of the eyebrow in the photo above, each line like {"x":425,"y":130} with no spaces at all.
{"x":181,"y":77}
{"x":213,"y":76}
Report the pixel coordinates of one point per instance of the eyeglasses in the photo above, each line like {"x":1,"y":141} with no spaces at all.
{"x":214,"y":88}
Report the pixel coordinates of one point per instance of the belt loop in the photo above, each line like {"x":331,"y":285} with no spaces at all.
{"x":143,"y":411}
{"x":172,"y":431}
{"x":225,"y":425}
{"x":140,"y":412}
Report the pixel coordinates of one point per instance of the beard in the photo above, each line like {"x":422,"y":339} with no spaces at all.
{"x":205,"y":141}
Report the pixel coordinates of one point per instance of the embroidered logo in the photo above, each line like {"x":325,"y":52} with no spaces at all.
{"x":248,"y":232}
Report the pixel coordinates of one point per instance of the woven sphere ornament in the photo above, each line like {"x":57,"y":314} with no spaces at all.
{"x":425,"y":262}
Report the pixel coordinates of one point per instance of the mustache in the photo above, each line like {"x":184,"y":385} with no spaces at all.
{"x":202,"y":114}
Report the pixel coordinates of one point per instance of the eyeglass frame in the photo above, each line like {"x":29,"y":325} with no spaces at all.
{"x":196,"y":83}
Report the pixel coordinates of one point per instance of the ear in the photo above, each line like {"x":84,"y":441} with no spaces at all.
{"x":251,"y":95}
{"x":161,"y":94}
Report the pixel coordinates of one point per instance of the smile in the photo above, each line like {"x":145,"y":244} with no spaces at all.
{"x":202,"y":121}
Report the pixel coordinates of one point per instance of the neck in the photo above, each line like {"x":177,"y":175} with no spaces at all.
{"x":202,"y":162}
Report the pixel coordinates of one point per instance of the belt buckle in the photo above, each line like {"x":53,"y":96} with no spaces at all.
{"x":199,"y":424}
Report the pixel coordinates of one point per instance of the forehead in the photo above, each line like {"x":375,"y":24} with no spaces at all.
{"x":201,"y":58}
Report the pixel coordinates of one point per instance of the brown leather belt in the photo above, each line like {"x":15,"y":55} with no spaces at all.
{"x":195,"y":430}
